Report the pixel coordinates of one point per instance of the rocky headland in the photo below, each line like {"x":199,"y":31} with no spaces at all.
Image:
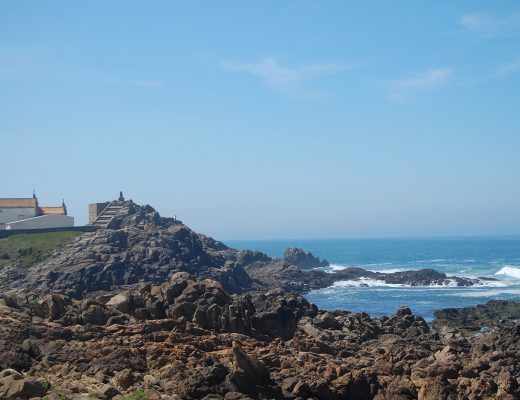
{"x":140,"y":247}
{"x":150,"y":309}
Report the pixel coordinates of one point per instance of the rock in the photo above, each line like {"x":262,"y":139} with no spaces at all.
{"x":184,"y":309}
{"x":236,"y":396}
{"x":57,"y":305}
{"x":471,"y":320}
{"x":251,"y":376}
{"x":301,"y":389}
{"x":254,"y":370}
{"x":30,"y":347}
{"x":14,"y":386}
{"x":95,"y":314}
{"x":327,"y":322}
{"x":124,"y":379}
{"x":8,"y":372}
{"x":306,"y":260}
{"x":246,"y":257}
{"x":403,"y":311}
{"x":122,"y":302}
{"x":109,"y":391}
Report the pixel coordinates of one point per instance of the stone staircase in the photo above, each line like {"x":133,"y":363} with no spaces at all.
{"x":104,"y":218}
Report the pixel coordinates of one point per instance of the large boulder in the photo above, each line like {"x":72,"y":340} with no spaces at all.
{"x":122,"y":302}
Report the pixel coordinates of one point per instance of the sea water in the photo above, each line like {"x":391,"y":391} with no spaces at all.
{"x":497,"y":258}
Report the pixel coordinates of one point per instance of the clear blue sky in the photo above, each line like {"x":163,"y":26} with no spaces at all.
{"x":270,"y":119}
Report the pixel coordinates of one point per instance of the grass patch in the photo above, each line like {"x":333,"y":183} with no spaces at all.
{"x":137,"y":395}
{"x":27,"y":249}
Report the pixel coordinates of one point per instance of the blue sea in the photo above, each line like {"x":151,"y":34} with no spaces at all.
{"x":497,"y":257}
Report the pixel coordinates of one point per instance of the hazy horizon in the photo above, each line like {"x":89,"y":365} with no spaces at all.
{"x":269,"y":121}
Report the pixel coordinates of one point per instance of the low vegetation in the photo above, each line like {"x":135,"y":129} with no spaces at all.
{"x":137,"y":395}
{"x":27,"y":249}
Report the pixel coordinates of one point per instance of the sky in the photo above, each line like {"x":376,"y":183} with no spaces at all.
{"x":263,"y":120}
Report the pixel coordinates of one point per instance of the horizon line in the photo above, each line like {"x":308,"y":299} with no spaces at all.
{"x":491,"y":236}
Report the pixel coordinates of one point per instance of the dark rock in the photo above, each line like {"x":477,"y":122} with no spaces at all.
{"x":327,"y":322}
{"x":95,"y":314}
{"x":403,"y":311}
{"x":306,"y":260}
{"x":472,"y":319}
{"x":109,"y":391}
{"x":31,"y":347}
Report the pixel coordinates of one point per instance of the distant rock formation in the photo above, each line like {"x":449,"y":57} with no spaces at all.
{"x":303,"y":259}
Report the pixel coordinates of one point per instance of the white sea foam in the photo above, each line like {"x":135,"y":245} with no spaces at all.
{"x":450,"y":283}
{"x":337,"y":267}
{"x":509,"y":270}
{"x":389,"y":270}
{"x":491,"y":283}
{"x":364,"y":282}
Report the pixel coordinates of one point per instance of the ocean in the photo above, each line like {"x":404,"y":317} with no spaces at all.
{"x":496,"y":257}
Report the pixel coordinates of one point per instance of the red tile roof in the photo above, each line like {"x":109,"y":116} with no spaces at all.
{"x":18,"y":203}
{"x":52,"y":210}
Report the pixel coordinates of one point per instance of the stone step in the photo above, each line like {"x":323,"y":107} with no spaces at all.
{"x":107,"y":215}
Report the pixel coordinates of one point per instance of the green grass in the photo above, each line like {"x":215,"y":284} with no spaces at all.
{"x":137,"y":395}
{"x":27,"y":249}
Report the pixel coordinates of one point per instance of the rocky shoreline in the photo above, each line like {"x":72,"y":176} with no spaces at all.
{"x":150,"y":309}
{"x":143,"y":247}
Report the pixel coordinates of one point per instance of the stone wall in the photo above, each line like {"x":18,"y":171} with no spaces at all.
{"x":12,"y":232}
{"x":42,"y":222}
{"x":95,"y":209}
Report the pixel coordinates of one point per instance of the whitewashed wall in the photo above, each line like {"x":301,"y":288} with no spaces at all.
{"x":43,"y":222}
{"x":12,"y":214}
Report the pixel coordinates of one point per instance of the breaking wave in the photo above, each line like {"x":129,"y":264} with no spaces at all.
{"x":508,"y":270}
{"x":451,"y":283}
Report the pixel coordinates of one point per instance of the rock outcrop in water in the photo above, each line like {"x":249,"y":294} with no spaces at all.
{"x":303,"y":259}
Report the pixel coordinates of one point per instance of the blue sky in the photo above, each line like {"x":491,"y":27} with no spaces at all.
{"x":296,"y":119}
